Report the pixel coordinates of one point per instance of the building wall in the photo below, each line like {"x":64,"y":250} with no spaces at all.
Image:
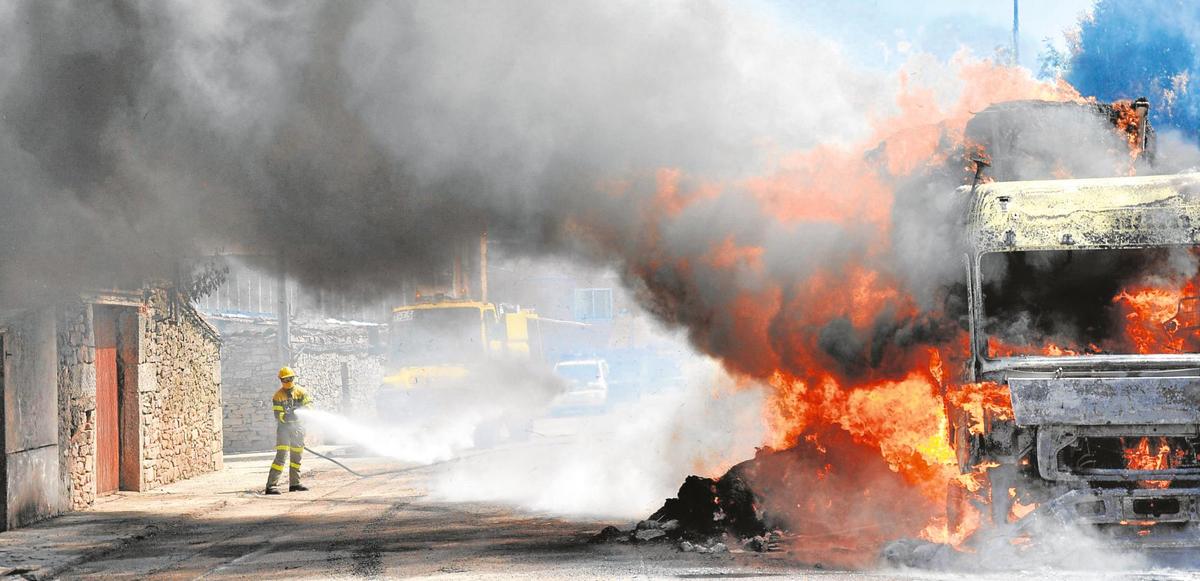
{"x":171,"y":429}
{"x":321,"y":351}
{"x":77,"y":403}
{"x":31,"y":445}
{"x":250,"y":362}
{"x":176,"y":422}
{"x":179,"y":388}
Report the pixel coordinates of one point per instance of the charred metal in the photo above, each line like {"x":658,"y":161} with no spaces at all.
{"x":1101,"y":433}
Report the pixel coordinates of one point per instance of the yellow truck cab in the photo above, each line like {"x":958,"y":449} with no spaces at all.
{"x":437,"y":340}
{"x":437,"y":346}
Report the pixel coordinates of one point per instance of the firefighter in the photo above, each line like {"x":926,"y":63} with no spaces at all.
{"x":289,"y":432}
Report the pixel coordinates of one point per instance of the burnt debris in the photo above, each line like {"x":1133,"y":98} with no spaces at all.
{"x":826,"y":487}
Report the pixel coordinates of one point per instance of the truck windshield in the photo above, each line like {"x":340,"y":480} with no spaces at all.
{"x":439,"y":336}
{"x":578,"y":372}
{"x":1080,"y":302}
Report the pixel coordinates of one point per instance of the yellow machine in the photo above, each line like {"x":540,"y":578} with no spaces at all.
{"x":440,"y":344}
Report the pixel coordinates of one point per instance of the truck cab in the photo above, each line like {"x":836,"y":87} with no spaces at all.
{"x":1082,"y":309}
{"x":441,"y":346}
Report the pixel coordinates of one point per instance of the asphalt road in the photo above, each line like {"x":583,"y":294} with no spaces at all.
{"x":381,"y":526}
{"x":386,"y":526}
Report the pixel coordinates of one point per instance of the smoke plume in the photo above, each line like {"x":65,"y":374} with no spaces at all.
{"x":362,"y":139}
{"x":791,"y":211}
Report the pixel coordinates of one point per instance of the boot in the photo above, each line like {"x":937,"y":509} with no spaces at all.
{"x":297,"y":488}
{"x":271,"y":490}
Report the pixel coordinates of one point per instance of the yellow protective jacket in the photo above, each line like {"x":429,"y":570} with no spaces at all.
{"x":285,"y":402}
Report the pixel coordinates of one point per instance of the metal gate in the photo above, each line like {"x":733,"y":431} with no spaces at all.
{"x":104,"y":325}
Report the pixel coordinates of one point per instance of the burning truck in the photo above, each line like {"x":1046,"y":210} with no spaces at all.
{"x":1071,"y":395}
{"x":1083,"y":310}
{"x":1081,"y":397}
{"x":1082,"y":305}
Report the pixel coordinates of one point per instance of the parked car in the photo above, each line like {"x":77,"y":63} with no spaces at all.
{"x":587,"y":385}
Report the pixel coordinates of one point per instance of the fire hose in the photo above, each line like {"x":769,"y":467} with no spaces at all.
{"x":344,"y":467}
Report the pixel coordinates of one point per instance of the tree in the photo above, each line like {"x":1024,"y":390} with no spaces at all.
{"x":1052,"y":63}
{"x":1133,"y":49}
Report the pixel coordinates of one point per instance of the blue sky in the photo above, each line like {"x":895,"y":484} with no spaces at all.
{"x":882,"y":32}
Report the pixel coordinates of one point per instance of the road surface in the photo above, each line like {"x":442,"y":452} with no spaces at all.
{"x":220,"y":526}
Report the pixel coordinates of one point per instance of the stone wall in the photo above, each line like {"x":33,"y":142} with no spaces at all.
{"x":176,"y":423}
{"x":250,"y":362}
{"x":179,"y":385}
{"x":320,"y":351}
{"x":77,"y":403}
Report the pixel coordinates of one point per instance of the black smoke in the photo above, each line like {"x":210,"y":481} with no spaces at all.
{"x":365,"y":140}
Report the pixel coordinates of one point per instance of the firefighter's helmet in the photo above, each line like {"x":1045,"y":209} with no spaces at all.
{"x":286,"y":374}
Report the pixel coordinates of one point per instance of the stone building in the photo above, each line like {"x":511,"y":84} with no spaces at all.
{"x":338,"y":362}
{"x":113,"y":391}
{"x":333,"y":342}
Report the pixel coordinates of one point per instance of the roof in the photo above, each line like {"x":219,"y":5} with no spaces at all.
{"x":1033,"y":139}
{"x":446,"y":304}
{"x":1128,"y":212}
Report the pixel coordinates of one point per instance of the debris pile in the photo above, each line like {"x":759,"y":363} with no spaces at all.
{"x":701,"y":516}
{"x":704,"y":517}
{"x":824,"y":493}
{"x":688,"y":541}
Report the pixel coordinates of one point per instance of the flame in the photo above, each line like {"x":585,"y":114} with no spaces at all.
{"x":961,"y":501}
{"x":838,"y":185}
{"x":671,"y":197}
{"x":1140,"y":457}
{"x":1019,"y":510}
{"x":1128,"y":122}
{"x":728,"y":255}
{"x":879,"y":397}
{"x":982,"y":401}
{"x":999,"y":348}
{"x":1157,"y":319}
{"x":898,"y":411}
{"x":1153,"y":318}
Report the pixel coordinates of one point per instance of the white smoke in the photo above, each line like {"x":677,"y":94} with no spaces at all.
{"x":626,"y":462}
{"x":502,"y":396}
{"x":416,"y":444}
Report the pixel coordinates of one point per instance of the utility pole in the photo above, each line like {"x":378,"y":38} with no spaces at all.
{"x":483,"y":266}
{"x":284,"y":346}
{"x":1016,"y":44}
{"x":456,"y":278}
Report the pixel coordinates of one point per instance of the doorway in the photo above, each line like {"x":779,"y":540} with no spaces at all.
{"x":118,"y":421}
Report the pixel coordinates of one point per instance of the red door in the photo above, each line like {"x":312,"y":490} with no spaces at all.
{"x":107,"y":440}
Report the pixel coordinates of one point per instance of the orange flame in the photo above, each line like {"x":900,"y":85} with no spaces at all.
{"x":1157,"y":319}
{"x":903,"y":415}
{"x":889,"y":397}
{"x":1140,"y":457}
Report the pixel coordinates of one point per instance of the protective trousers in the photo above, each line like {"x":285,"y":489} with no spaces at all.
{"x":289,"y":438}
